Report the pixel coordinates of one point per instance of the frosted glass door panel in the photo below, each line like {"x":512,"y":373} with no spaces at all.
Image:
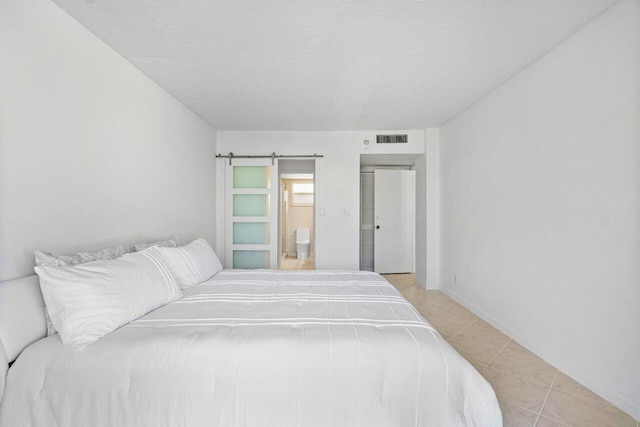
{"x":250,"y":259}
{"x":250,"y":233}
{"x":250,"y":205}
{"x":251,"y":211}
{"x":251,"y":176}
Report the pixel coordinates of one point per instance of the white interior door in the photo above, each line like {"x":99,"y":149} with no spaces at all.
{"x":394,"y":209}
{"x":252,"y":214}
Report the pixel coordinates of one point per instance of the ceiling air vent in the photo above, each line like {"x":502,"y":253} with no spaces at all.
{"x":391,"y":139}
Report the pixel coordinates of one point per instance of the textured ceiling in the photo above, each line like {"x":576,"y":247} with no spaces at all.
{"x":331,"y":64}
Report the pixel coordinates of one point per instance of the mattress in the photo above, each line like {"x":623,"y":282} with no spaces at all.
{"x":258,"y":348}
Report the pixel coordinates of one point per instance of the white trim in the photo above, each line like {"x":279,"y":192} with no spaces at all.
{"x":419,"y":282}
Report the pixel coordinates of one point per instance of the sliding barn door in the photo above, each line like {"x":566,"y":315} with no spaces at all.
{"x":251,"y":214}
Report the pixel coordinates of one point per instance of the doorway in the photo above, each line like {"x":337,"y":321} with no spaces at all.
{"x":296,"y":213}
{"x":388,"y":213}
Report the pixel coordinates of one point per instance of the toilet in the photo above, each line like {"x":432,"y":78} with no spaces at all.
{"x":302,"y":243}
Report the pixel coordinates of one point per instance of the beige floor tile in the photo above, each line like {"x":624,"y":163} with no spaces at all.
{"x":474,"y":351}
{"x":546,"y":422}
{"x":425,"y":310}
{"x":430,"y":311}
{"x":426,"y":302}
{"x":431,"y":296}
{"x":445,"y":300}
{"x":481,"y":322}
{"x":289,"y":263}
{"x":446,"y":328}
{"x":566,"y":384}
{"x":485,"y":334}
{"x":513,"y":416}
{"x":517,"y":348}
{"x":514,"y":378}
{"x":577,"y":410}
{"x":413,"y":295}
{"x":457,"y":313}
{"x":523,"y":366}
{"x":440,"y":302}
{"x":407,"y":286}
{"x":432,"y":314}
{"x":477,"y":365}
{"x":400,"y":278}
{"x":455,"y":306}
{"x":515,"y":390}
{"x":422,"y":303}
{"x":404,"y":286}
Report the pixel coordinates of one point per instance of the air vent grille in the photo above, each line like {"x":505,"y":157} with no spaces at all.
{"x":392,"y":139}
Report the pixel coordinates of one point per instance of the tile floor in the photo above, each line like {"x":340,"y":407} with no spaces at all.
{"x":288,"y":263}
{"x":530,"y":391}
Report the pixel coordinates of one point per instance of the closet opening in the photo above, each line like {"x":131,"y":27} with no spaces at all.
{"x":388,"y":213}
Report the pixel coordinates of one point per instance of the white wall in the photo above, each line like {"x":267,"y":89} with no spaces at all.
{"x":427,"y":169}
{"x":337,"y":182}
{"x":420,"y":167}
{"x":92,"y":152}
{"x":541,"y":206}
{"x":432,"y":157}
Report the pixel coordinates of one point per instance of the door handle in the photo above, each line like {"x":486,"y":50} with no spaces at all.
{"x":377,"y":227}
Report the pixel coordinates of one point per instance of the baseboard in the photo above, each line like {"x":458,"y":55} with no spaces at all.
{"x":419,"y":282}
{"x":567,"y":368}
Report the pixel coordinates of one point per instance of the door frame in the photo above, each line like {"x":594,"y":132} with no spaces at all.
{"x":288,"y":166}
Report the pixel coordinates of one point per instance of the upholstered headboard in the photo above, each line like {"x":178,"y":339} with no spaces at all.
{"x":22,"y":319}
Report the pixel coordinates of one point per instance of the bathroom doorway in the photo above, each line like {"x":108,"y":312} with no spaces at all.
{"x":297,"y":200}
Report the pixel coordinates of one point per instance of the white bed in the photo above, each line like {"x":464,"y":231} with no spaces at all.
{"x":256,"y":348}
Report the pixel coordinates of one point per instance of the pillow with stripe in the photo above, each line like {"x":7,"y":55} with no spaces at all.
{"x":88,"y":301}
{"x":191,"y":264}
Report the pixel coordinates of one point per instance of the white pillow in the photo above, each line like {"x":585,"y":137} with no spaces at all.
{"x":65,"y":260}
{"x":90,"y":300}
{"x":173,"y":242}
{"x":191,"y":264}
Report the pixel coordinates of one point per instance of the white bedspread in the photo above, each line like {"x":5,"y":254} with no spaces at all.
{"x":258,"y":348}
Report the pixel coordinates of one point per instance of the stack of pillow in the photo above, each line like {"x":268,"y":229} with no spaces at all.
{"x":90,"y":294}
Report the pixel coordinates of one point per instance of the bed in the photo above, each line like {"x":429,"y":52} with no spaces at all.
{"x":245,"y":348}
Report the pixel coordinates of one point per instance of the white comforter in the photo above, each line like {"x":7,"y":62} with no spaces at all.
{"x":258,"y":348}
